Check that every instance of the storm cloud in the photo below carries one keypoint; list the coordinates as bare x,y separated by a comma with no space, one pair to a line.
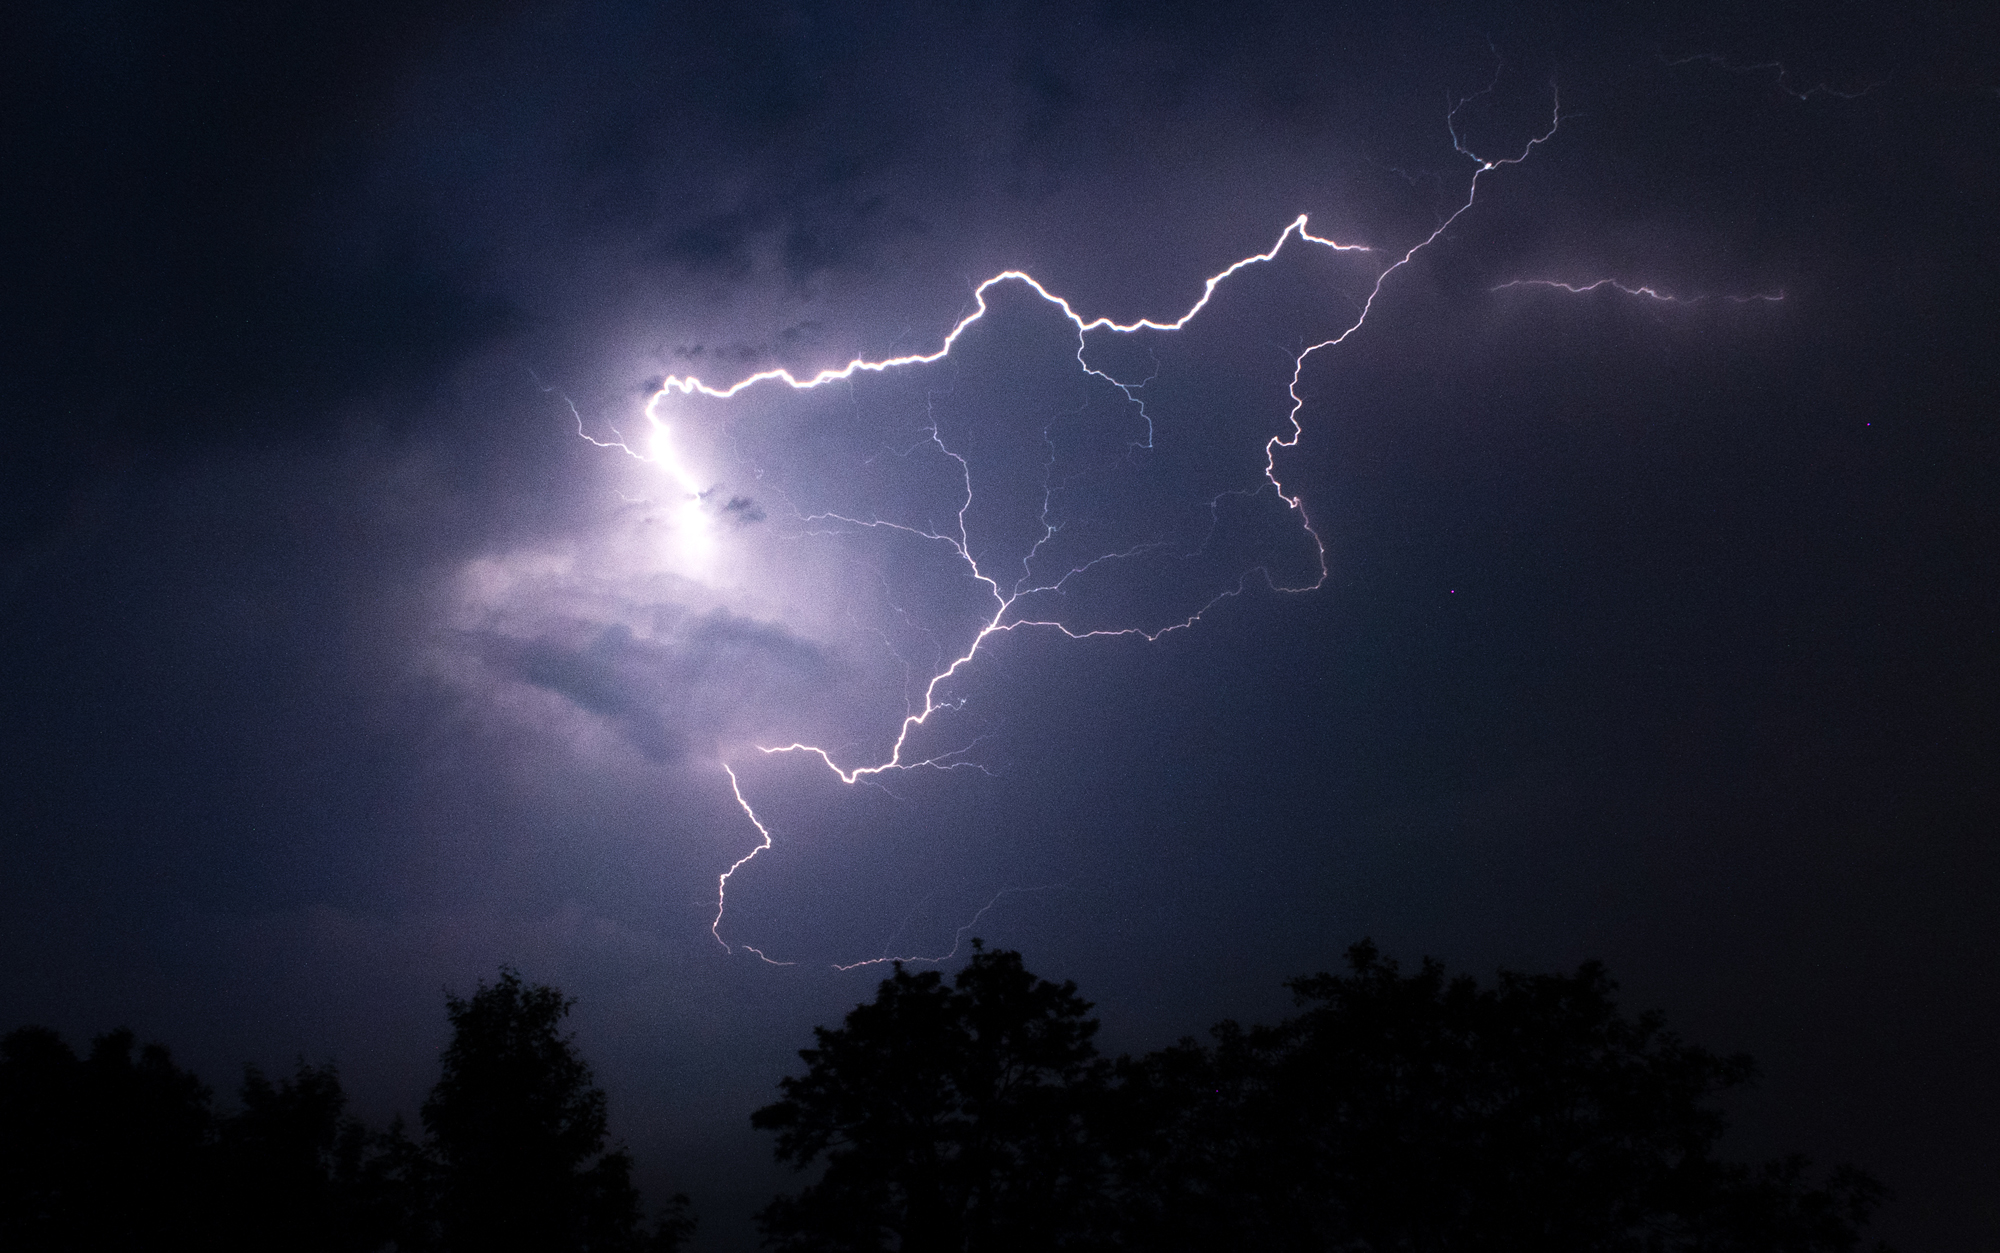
349,651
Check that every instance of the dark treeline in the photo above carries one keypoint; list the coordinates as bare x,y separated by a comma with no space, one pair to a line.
1396,1113
117,1150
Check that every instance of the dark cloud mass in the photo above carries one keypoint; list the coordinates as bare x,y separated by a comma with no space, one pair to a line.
648,688
360,631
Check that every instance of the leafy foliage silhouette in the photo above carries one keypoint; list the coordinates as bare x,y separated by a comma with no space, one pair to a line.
1395,1113
103,1151
948,1116
295,1171
1420,1112
121,1151
518,1139
1408,1113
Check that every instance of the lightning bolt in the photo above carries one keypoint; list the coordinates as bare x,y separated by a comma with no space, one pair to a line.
957,939
722,881
1783,79
1647,291
1002,594
691,525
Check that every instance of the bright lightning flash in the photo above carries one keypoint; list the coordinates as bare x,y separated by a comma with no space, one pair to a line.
1015,602
693,532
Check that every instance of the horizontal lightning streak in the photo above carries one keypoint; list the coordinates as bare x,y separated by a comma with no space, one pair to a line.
1649,292
958,937
1783,81
692,385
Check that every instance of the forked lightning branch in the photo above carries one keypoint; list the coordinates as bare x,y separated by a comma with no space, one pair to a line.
1001,591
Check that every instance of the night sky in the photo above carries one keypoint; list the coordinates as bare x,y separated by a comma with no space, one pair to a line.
347,656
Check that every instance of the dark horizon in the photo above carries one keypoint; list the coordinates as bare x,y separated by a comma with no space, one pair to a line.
341,670
1394,1108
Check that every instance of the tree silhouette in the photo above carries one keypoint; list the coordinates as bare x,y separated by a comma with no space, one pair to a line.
118,1151
121,1151
296,1172
104,1151
1395,1114
1420,1113
518,1140
949,1117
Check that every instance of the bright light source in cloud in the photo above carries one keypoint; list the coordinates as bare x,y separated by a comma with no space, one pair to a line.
816,566
693,533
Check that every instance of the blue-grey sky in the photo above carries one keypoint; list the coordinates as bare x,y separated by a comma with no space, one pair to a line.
341,667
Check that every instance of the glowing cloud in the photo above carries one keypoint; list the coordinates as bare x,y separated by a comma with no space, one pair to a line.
1041,469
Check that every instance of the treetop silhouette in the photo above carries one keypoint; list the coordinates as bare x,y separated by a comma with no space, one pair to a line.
518,1135
1396,1113
948,1116
113,1151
